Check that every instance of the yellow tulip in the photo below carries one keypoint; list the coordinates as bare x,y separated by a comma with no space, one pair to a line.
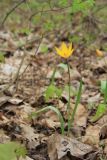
65,51
99,53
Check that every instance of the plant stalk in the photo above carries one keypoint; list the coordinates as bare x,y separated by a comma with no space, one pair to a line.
53,76
69,96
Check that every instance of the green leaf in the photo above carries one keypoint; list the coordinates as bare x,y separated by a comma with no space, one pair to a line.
58,92
73,90
43,48
75,39
102,108
104,89
2,58
52,91
103,86
10,151
57,75
35,114
49,25
62,3
27,31
81,6
63,66
77,102
21,151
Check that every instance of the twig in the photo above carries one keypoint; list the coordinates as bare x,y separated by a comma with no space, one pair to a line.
18,71
41,39
12,9
48,10
35,54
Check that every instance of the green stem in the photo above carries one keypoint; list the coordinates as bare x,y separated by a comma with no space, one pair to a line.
69,92
77,102
53,76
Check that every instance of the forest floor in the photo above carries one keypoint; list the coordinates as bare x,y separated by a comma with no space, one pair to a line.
25,75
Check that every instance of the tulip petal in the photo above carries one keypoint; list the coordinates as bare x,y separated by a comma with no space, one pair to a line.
65,51
58,50
72,51
64,48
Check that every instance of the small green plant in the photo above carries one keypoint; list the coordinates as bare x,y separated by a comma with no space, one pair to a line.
52,91
66,52
25,30
43,48
82,6
104,90
12,151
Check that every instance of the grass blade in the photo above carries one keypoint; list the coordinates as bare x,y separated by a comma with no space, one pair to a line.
36,114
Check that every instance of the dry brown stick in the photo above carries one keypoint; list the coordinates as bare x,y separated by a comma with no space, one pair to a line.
35,53
48,10
15,79
12,9
22,60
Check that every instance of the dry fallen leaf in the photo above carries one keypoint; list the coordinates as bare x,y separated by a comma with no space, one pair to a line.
48,122
103,131
24,111
3,100
92,135
30,136
75,75
102,120
3,137
105,144
15,101
57,75
27,158
59,146
3,119
52,115
80,116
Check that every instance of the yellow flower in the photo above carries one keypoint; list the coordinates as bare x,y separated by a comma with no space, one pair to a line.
99,53
65,51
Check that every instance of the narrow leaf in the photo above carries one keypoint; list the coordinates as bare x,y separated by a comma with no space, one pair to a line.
35,114
102,108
